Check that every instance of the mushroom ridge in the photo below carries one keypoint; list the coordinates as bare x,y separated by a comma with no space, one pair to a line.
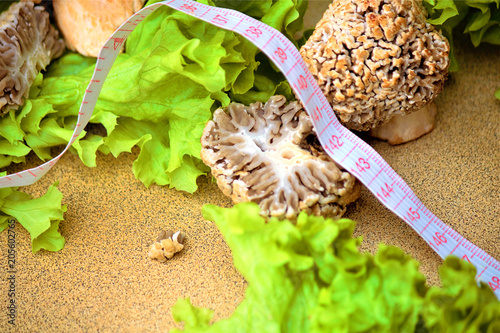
269,154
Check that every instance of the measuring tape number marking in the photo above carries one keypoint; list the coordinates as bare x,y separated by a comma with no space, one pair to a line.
342,145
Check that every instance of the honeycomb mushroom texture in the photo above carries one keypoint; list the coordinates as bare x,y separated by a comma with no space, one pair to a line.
374,59
268,154
28,42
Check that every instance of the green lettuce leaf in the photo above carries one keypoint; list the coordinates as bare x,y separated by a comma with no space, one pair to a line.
175,71
4,5
460,306
193,317
481,19
311,277
39,216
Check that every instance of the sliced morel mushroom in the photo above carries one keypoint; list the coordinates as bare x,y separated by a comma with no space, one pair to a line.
269,154
28,42
375,59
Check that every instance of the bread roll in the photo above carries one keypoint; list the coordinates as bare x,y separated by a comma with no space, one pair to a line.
87,24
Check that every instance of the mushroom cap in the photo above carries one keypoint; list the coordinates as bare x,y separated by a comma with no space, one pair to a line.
264,154
376,58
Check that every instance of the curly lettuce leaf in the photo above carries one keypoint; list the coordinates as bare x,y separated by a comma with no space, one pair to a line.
481,18
175,71
39,216
311,277
194,317
460,306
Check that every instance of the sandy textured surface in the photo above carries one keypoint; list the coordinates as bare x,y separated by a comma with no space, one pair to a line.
103,281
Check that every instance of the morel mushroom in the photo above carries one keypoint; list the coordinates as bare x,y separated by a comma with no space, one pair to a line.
376,59
268,154
28,42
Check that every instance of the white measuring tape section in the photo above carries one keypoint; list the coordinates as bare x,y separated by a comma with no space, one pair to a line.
341,144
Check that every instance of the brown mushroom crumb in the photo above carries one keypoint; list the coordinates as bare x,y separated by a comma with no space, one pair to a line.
167,244
269,154
28,42
374,59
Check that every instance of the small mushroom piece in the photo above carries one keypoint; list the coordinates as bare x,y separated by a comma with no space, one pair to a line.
167,244
268,154
376,59
156,252
28,42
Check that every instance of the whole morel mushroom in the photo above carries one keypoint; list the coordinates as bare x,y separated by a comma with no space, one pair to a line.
268,154
374,59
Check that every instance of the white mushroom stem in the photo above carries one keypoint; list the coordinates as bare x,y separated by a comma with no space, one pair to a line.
175,236
404,128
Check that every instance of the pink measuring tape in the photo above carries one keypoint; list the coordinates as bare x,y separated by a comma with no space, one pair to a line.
342,145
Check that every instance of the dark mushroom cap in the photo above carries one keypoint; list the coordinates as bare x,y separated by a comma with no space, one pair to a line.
376,58
262,153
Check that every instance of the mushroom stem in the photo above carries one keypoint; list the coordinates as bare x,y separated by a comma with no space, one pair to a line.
408,127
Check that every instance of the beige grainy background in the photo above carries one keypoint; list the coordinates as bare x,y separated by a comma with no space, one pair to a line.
103,281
